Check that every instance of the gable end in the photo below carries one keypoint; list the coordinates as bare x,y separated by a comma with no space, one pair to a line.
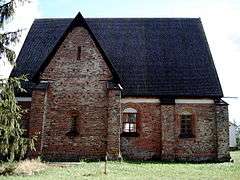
77,21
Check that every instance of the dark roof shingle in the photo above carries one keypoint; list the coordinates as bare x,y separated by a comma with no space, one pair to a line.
153,56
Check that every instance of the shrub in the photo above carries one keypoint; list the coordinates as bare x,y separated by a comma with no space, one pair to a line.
7,169
26,168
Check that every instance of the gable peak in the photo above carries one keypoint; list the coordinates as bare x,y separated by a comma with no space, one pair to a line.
78,20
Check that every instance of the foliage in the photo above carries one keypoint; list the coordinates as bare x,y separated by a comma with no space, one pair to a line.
13,144
238,137
22,168
7,9
7,169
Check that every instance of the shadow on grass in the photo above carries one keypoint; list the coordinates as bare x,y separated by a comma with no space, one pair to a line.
130,161
169,162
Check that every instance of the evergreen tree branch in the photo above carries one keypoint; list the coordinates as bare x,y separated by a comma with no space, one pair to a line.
13,143
5,40
6,4
7,10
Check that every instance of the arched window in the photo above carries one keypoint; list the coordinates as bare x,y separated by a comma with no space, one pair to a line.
129,120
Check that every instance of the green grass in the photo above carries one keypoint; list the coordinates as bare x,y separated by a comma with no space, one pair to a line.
141,170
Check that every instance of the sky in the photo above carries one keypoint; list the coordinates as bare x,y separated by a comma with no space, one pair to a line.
220,19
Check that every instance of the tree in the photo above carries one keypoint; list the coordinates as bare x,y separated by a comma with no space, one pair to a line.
13,144
7,10
238,137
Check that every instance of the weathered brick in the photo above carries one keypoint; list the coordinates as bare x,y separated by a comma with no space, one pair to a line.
222,125
148,144
78,87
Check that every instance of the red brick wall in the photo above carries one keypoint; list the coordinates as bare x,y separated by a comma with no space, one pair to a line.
77,86
113,124
200,148
36,119
168,132
148,144
203,146
159,129
26,106
222,122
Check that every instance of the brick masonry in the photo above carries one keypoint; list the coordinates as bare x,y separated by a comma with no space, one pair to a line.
78,88
159,129
222,125
114,124
148,144
36,120
203,146
26,106
168,132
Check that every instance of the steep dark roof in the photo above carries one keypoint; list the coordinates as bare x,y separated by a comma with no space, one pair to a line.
153,56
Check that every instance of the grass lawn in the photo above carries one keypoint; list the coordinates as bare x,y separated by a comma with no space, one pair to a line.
140,170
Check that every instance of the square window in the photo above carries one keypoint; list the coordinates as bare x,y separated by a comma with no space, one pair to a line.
126,127
129,122
186,130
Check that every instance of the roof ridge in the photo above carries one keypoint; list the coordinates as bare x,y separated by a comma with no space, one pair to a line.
134,18
53,18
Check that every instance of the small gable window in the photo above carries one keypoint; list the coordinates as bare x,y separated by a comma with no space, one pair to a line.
73,126
186,129
129,124
79,52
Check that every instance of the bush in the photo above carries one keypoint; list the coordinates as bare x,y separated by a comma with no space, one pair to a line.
7,169
26,168
29,167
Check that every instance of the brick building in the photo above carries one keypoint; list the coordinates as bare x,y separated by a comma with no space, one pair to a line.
140,88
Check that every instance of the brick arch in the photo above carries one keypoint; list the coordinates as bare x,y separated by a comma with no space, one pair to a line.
73,112
131,105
